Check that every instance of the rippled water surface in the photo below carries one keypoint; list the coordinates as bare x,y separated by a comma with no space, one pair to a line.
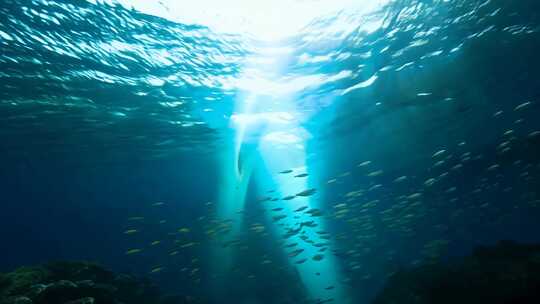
416,121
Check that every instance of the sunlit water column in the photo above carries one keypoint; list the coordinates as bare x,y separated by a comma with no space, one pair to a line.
266,123
236,161
322,278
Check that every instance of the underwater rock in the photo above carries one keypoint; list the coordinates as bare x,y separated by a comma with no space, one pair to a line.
17,300
77,283
505,273
4,281
36,289
58,292
21,281
88,300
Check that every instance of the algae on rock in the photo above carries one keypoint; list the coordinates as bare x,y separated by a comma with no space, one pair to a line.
75,283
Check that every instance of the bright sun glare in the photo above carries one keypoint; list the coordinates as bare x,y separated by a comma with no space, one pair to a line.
267,20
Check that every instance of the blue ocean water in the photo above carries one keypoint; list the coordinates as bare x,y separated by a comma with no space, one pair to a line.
162,148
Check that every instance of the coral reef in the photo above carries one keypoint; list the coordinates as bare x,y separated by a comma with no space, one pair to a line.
77,283
506,273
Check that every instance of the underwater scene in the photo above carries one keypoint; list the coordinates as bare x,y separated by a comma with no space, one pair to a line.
272,152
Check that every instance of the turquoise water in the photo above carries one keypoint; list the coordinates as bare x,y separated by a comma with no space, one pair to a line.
185,148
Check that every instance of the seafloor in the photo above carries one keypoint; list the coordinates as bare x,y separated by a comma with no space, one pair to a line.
506,273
